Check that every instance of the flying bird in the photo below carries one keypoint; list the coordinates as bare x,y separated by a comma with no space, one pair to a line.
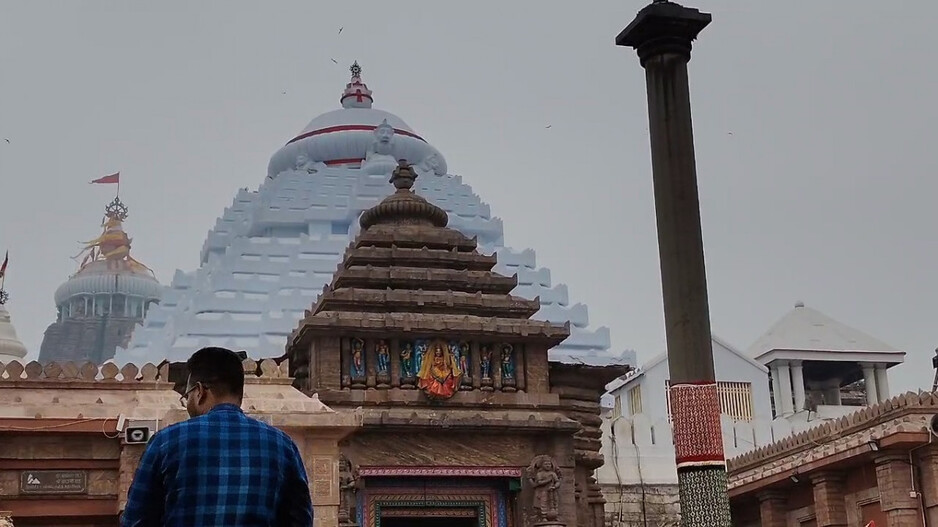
283,93
340,29
334,61
548,126
7,140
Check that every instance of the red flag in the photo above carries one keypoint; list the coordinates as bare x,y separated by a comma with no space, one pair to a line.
113,178
3,267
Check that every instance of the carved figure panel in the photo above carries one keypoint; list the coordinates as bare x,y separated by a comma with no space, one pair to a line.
383,360
544,478
508,367
357,362
487,358
408,371
439,375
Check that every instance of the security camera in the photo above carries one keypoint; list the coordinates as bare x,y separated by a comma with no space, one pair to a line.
139,431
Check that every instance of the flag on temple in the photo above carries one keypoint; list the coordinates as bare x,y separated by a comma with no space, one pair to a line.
3,267
113,178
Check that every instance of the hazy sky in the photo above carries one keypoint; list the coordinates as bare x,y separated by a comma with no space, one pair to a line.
814,127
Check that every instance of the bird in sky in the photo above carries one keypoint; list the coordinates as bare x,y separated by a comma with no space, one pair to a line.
548,126
334,61
283,93
7,140
340,29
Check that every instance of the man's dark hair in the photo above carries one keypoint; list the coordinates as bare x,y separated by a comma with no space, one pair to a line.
219,368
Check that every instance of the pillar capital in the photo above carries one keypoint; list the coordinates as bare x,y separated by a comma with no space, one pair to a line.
663,27
827,476
772,495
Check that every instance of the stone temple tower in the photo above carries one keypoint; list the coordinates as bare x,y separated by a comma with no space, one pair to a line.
99,306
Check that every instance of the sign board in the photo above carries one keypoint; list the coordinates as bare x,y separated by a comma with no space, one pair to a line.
54,482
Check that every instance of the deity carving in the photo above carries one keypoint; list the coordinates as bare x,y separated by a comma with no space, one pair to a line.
439,372
486,366
420,349
544,477
508,367
348,484
379,157
407,361
383,360
357,362
464,356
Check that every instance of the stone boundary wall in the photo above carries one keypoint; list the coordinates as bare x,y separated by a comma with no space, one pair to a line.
33,371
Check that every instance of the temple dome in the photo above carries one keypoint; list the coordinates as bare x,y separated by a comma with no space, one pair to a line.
11,348
344,136
96,278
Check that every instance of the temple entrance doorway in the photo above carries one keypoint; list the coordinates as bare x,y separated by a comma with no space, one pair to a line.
449,497
431,521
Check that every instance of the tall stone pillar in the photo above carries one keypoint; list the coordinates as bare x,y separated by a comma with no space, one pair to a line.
894,479
776,390
662,33
784,376
797,381
829,507
773,508
869,381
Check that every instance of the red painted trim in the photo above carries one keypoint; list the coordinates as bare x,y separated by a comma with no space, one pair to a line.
344,161
701,458
350,128
479,472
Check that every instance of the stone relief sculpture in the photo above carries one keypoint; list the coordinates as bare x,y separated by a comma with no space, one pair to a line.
407,362
348,484
508,367
486,363
379,157
383,359
464,356
357,362
545,477
420,349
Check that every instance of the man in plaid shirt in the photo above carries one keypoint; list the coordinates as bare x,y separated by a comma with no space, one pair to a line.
219,468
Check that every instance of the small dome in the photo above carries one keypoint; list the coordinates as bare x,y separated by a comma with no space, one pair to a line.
11,348
344,136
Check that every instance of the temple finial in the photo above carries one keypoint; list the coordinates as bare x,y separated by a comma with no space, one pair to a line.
403,176
356,70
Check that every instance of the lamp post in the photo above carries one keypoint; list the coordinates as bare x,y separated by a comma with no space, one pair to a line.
662,34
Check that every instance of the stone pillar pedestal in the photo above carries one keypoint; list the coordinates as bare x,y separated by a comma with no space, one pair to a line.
829,506
894,479
773,508
130,458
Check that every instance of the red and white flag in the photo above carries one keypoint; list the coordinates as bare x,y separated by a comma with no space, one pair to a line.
3,267
113,178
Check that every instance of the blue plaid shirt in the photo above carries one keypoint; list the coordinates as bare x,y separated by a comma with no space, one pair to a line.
220,469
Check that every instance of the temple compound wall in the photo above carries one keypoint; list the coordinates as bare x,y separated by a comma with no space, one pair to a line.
64,461
877,465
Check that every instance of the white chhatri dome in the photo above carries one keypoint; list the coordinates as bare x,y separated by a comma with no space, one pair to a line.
11,348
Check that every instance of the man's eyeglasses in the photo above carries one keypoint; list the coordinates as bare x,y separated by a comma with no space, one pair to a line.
185,396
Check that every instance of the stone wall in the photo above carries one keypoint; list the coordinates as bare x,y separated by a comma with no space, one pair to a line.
642,505
92,339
